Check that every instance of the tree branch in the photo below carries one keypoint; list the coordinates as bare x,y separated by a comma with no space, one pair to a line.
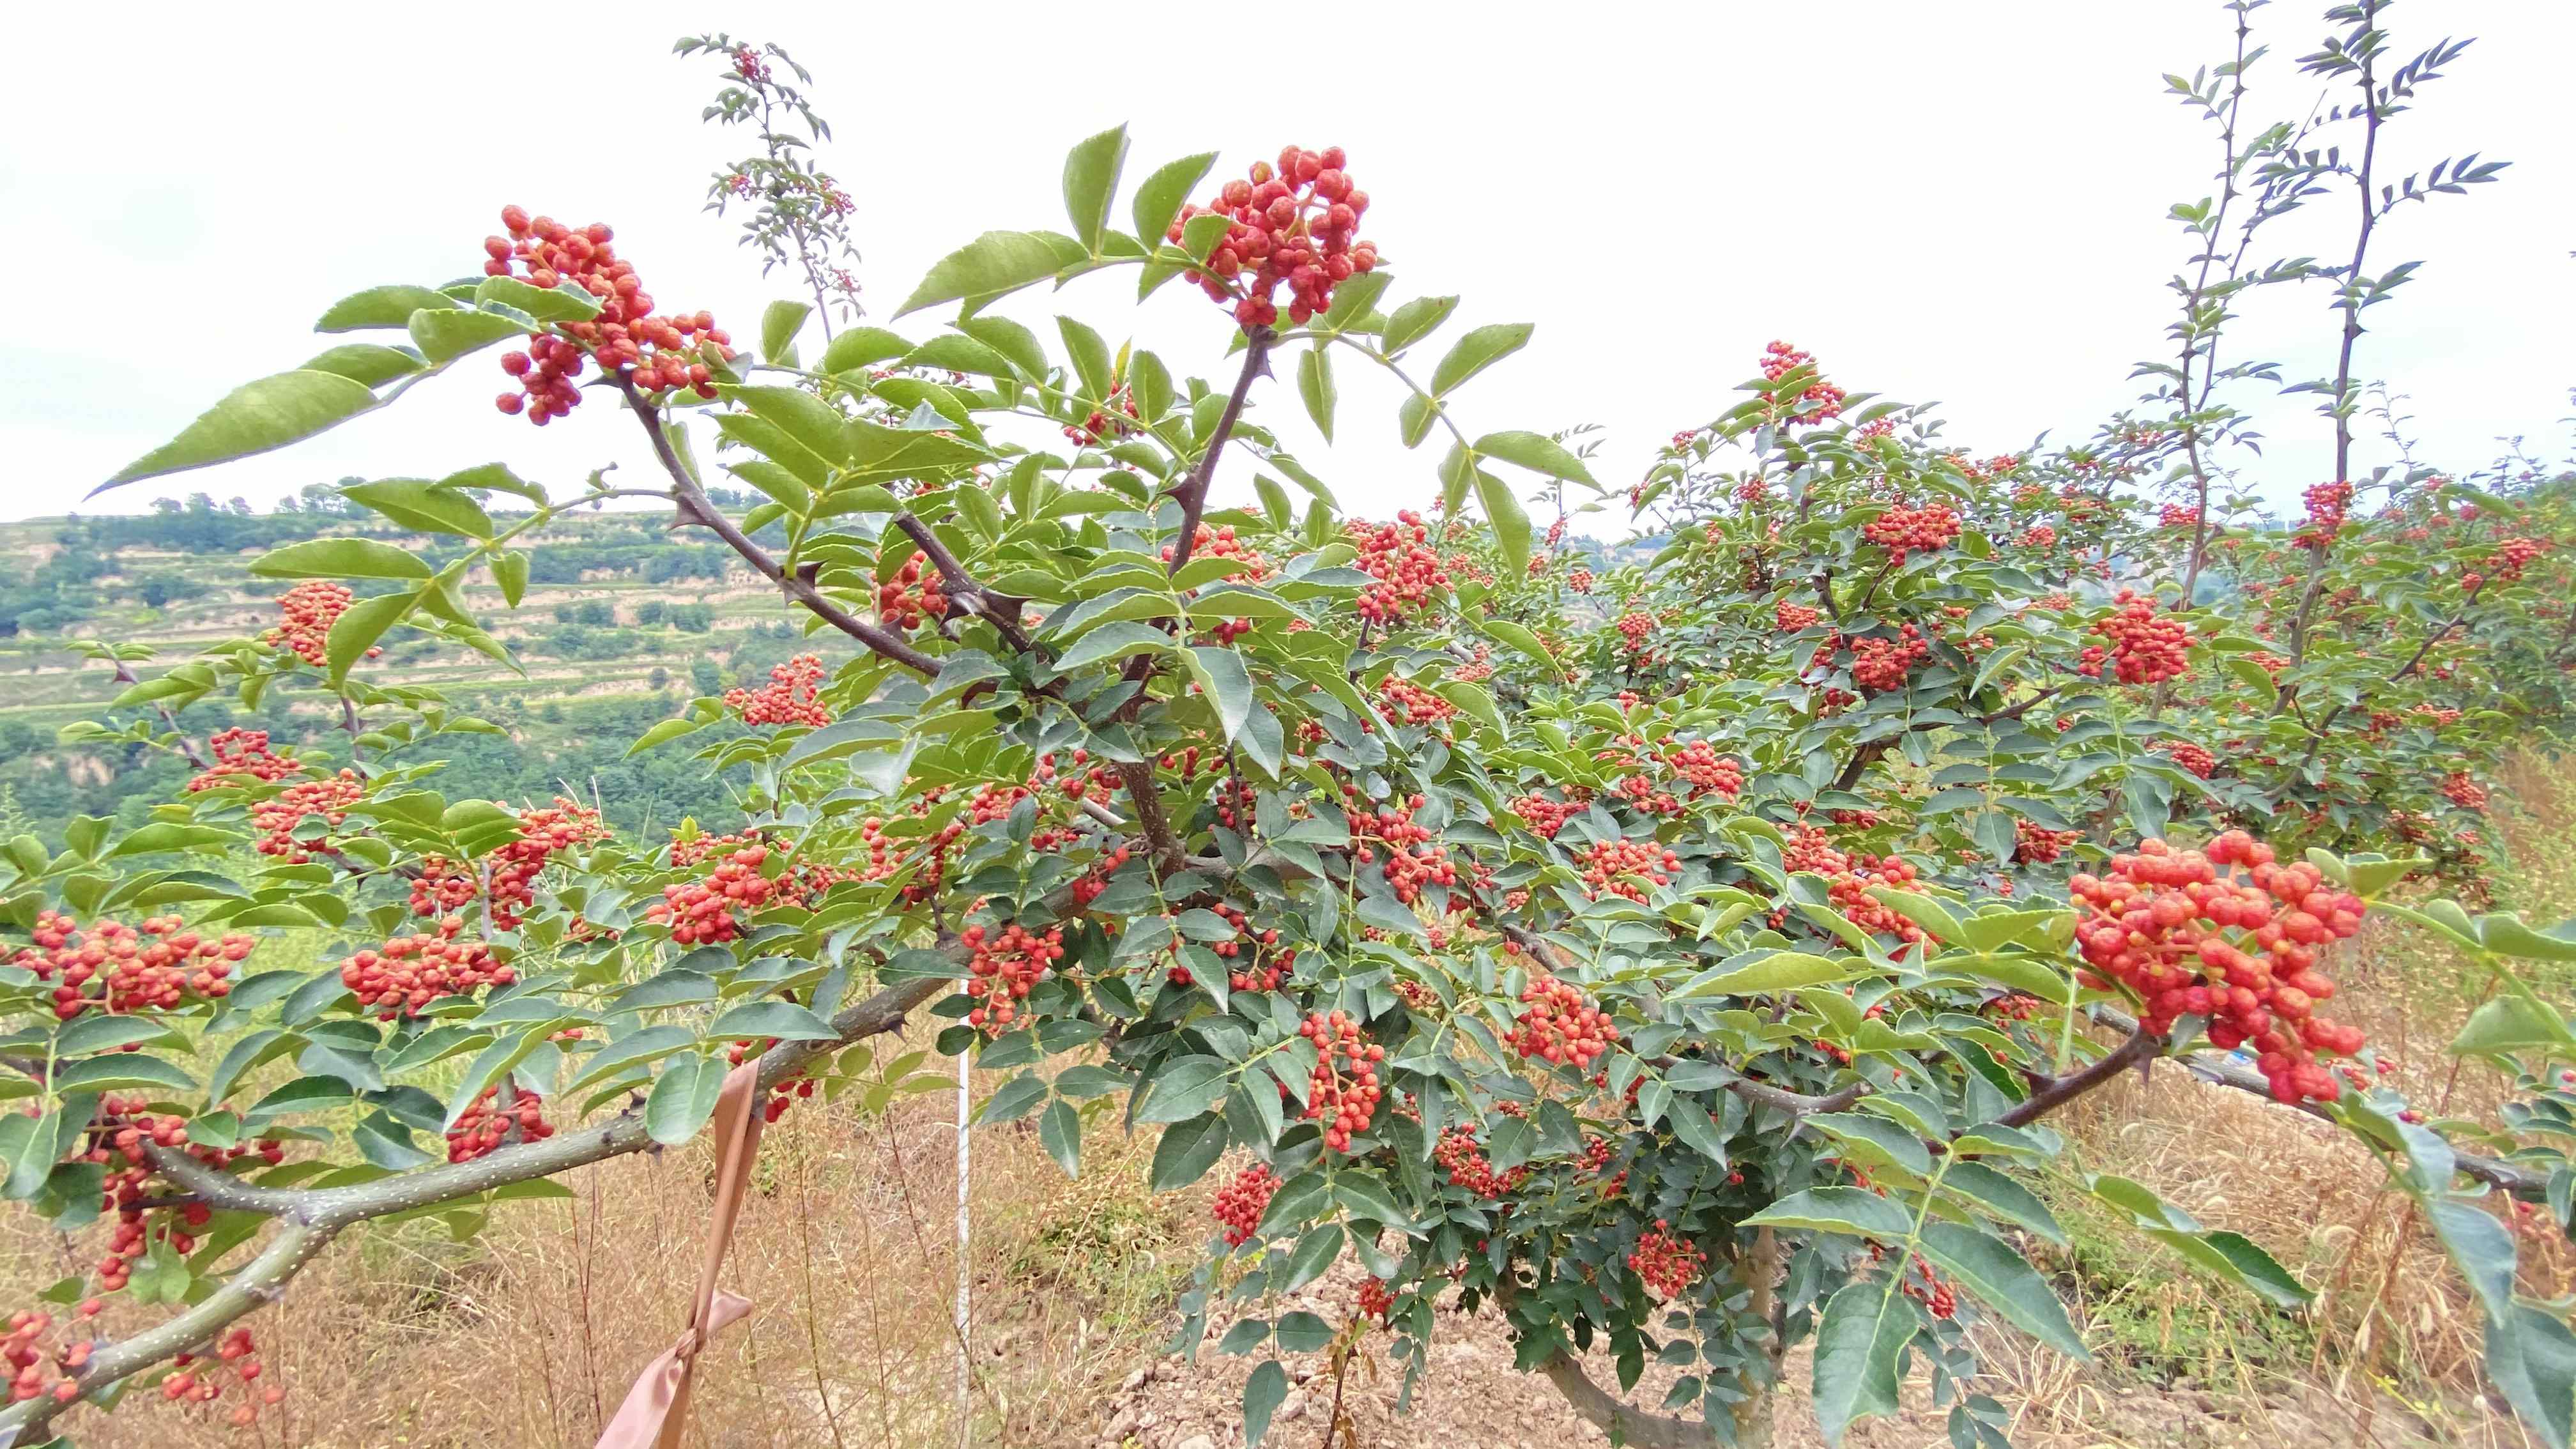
1192,491
695,508
1608,1412
2138,1049
964,594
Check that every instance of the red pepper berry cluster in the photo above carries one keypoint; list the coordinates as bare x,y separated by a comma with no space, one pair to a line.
1626,868
1409,862
1294,224
2146,647
118,1142
410,973
1409,703
1400,557
2464,792
2229,935
912,596
1792,617
2512,556
1881,665
242,752
700,913
1545,816
655,353
1241,1202
1708,772
788,697
1560,1027
1343,1092
41,1368
1848,879
1377,1298
1904,532
2014,1006
2329,506
277,817
1637,626
2034,845
2038,536
1458,1154
1114,420
544,832
1668,1263
311,608
1004,966
1930,1289
157,968
2178,515
484,1126
1256,961
1820,402
1580,581
2191,757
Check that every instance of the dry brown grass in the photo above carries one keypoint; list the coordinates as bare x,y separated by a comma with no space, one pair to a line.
530,1334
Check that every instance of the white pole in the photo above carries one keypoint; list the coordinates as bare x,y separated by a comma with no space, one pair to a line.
965,1108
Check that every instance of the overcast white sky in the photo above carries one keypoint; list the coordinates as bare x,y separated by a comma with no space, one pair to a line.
1959,202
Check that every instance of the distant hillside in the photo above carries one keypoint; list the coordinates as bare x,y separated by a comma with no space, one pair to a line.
624,621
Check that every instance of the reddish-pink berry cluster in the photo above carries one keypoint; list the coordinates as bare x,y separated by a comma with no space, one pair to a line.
1819,402
410,973
2329,506
117,968
1405,702
1792,617
2511,557
2178,515
912,596
1904,532
311,608
2146,647
1343,1091
241,752
1668,1262
485,1126
2035,845
1400,558
1005,964
1239,1204
700,913
277,817
445,885
788,697
1626,868
655,354
1402,850
1708,772
2230,935
1296,224
1881,665
1459,1154
2191,757
2464,792
1559,1026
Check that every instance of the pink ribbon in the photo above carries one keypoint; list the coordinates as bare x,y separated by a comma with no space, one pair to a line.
656,1411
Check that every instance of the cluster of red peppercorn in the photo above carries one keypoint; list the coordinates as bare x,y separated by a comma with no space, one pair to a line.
2464,792
1667,1262
2036,845
2191,757
1409,703
197,1384
1402,850
700,912
277,817
2038,536
1904,532
1821,401
2146,647
118,1140
788,697
1580,580
1239,1204
1560,1027
1005,964
1626,868
485,1126
912,596
2229,935
1881,665
42,1368
2508,560
311,608
1377,1298
2014,1006
409,973
445,885
1930,1289
1545,816
1294,224
1792,617
2329,506
1400,558
156,968
1463,1158
2178,515
1114,419
241,752
1343,1091
1637,627
1848,879
1708,772
656,354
